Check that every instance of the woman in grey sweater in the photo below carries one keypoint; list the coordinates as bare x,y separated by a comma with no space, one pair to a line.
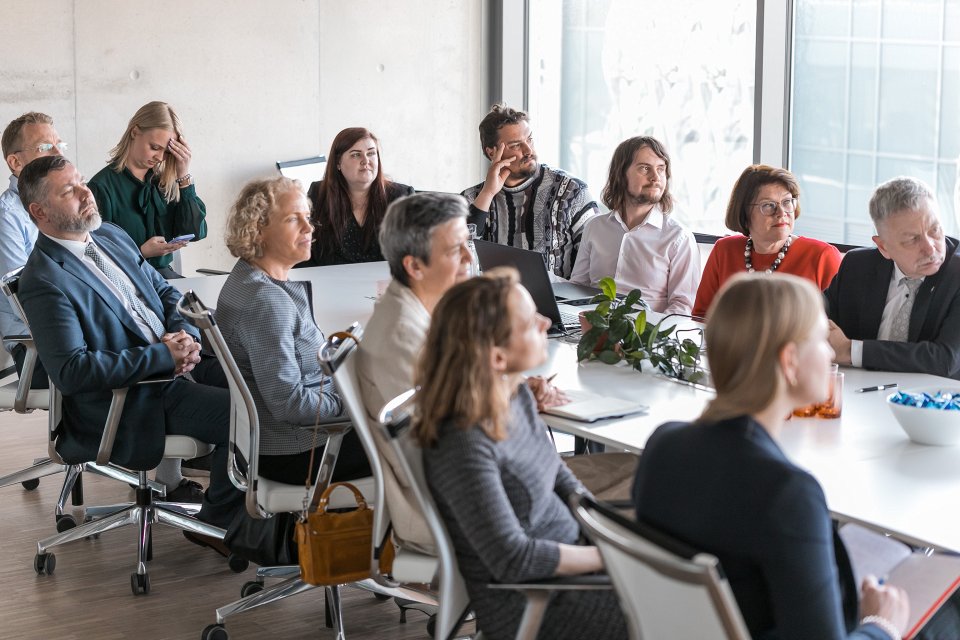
267,322
500,486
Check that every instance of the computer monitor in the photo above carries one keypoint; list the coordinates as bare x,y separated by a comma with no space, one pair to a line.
307,170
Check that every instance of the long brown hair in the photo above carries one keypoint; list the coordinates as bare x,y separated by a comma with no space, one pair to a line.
332,208
457,382
743,348
614,194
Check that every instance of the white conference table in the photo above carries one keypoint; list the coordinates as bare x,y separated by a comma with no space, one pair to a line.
870,471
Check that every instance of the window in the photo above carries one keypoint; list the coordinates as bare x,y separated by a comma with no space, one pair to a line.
602,71
876,94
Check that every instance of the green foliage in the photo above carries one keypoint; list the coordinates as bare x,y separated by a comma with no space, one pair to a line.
620,332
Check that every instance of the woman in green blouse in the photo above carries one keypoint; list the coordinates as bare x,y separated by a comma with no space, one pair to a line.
147,188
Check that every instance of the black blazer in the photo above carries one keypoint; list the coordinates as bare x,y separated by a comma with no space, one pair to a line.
856,298
728,489
89,344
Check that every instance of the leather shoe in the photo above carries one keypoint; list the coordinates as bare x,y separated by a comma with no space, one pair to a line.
208,541
186,491
197,467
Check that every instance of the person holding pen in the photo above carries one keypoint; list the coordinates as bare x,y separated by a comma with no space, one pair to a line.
148,190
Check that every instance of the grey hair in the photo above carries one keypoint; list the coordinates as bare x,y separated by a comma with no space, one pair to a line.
407,228
898,194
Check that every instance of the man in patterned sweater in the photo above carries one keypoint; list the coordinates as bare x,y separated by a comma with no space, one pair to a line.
523,203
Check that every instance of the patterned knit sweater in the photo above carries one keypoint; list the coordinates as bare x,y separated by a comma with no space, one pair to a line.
546,213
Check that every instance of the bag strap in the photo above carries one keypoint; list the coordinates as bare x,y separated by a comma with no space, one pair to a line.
325,496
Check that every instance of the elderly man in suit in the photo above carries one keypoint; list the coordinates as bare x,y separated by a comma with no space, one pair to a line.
897,306
103,318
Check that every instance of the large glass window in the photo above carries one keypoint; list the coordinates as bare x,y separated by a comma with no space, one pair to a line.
602,71
876,94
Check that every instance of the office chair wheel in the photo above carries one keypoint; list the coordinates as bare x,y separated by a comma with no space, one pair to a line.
30,485
215,632
140,584
65,521
44,563
431,625
250,588
237,564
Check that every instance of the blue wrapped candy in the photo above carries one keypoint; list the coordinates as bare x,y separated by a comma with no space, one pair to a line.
939,400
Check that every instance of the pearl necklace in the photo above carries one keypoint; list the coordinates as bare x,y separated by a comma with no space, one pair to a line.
776,263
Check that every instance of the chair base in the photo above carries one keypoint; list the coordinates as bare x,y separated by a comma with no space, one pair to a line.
143,514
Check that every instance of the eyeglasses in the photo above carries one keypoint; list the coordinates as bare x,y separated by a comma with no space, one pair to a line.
769,208
43,147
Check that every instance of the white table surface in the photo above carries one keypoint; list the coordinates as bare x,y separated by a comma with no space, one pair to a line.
869,470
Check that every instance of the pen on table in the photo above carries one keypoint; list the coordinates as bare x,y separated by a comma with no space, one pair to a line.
880,387
550,379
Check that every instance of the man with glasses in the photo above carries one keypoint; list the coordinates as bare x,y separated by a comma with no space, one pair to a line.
638,243
897,306
28,137
523,203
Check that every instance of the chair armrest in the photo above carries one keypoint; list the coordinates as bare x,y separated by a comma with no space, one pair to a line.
113,417
26,374
21,338
588,582
212,272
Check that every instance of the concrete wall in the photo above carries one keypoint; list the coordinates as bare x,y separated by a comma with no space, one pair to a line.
254,82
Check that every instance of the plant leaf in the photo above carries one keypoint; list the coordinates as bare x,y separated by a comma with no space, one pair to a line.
608,356
597,320
604,308
633,297
641,322
588,342
609,288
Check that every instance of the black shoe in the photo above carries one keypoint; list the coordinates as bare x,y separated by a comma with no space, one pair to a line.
208,541
197,467
186,491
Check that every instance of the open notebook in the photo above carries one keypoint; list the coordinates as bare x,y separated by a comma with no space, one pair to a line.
590,407
928,580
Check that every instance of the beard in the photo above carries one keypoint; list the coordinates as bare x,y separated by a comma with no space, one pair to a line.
645,197
75,224
526,170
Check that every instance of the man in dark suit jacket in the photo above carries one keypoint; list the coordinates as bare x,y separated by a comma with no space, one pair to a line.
92,339
873,288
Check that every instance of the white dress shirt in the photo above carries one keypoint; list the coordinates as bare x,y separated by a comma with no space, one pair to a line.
77,248
659,256
897,293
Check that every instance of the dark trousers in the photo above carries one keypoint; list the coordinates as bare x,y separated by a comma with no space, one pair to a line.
39,380
352,463
203,412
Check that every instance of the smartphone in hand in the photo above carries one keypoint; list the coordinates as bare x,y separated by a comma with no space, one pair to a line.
184,238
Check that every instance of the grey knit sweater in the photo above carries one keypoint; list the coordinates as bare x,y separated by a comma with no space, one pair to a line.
505,505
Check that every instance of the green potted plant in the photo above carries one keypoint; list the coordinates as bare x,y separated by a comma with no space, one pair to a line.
618,330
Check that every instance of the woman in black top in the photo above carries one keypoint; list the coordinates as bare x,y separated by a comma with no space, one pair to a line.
351,200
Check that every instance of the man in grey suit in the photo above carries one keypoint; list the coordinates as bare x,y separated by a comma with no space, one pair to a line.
897,306
103,318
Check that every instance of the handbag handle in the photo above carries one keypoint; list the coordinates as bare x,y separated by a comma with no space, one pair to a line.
325,496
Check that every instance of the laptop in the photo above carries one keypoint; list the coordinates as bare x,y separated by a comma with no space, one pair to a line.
533,276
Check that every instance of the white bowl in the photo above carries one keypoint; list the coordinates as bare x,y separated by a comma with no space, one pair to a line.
932,426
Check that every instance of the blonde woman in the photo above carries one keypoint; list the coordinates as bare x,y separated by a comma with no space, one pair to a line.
500,486
722,484
148,190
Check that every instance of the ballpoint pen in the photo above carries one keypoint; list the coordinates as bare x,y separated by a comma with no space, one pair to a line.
880,387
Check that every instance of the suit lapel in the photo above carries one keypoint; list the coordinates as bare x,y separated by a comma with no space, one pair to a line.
129,263
875,301
72,265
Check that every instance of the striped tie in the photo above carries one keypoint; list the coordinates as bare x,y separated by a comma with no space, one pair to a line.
126,290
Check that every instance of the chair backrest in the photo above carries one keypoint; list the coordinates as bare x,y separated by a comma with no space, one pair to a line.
10,284
244,421
394,422
338,359
666,588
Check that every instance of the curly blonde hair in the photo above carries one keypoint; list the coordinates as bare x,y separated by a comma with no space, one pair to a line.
251,212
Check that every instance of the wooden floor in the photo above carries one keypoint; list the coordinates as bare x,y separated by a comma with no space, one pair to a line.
89,595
